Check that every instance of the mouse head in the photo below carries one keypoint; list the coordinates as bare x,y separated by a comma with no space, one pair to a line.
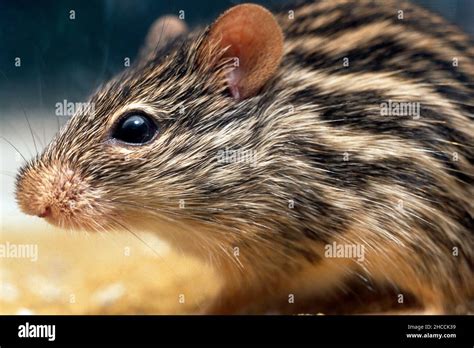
150,146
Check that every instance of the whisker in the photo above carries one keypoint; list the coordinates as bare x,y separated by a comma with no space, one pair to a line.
115,220
10,174
26,117
14,147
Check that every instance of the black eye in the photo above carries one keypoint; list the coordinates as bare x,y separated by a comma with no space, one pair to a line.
135,129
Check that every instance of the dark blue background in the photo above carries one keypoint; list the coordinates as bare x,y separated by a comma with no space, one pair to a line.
65,59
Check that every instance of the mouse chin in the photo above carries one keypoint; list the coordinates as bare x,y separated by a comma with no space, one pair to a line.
79,222
86,219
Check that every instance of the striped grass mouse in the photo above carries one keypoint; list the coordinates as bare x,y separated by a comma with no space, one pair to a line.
316,156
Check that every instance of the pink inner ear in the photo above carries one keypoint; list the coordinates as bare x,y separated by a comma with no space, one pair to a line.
242,45
233,79
250,33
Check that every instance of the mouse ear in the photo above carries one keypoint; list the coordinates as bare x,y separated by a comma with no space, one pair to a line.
163,30
252,36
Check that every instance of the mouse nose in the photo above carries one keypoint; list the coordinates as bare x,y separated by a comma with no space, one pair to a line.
45,212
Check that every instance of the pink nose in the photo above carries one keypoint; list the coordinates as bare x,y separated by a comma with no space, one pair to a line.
45,213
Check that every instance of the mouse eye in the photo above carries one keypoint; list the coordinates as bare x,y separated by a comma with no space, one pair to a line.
135,129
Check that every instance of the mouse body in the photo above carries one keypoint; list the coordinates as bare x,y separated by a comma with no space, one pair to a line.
319,157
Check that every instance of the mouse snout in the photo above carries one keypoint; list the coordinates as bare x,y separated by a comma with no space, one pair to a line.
45,213
53,193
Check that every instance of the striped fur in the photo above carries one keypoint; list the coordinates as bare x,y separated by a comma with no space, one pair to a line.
400,186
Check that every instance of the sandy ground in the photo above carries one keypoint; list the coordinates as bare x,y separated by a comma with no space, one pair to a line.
78,273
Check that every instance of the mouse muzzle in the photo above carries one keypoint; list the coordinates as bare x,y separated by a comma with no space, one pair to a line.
58,194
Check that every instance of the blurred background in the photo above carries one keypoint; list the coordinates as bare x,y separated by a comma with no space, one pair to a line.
65,58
